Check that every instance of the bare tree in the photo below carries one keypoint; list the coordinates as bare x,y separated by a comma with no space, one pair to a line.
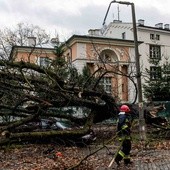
19,36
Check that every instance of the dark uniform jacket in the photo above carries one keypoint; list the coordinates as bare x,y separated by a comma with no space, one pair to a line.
124,124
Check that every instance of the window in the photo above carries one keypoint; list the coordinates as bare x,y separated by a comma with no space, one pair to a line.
44,61
123,88
107,84
152,36
155,73
123,35
155,52
106,58
157,37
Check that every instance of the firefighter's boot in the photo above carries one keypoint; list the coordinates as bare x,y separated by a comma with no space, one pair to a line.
118,159
127,161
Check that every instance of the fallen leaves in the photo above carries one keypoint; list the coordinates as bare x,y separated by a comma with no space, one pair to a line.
35,157
51,157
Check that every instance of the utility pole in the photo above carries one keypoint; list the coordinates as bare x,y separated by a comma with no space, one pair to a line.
142,129
118,13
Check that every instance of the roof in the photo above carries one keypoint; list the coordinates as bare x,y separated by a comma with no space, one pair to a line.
100,38
142,26
154,28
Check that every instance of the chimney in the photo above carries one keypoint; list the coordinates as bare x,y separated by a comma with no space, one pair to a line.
141,22
55,41
94,32
117,21
31,41
166,26
159,25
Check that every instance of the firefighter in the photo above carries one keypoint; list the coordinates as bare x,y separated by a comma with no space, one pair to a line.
123,131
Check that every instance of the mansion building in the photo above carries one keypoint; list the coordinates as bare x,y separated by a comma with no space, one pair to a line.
112,46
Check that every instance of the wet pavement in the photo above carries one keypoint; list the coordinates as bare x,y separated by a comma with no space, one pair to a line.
153,160
147,160
142,158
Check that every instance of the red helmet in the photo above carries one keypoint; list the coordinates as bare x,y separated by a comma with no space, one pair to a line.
124,108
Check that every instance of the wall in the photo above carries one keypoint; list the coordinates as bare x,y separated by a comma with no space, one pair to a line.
87,52
115,30
31,55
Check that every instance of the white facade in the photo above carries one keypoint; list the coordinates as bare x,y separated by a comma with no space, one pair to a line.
157,35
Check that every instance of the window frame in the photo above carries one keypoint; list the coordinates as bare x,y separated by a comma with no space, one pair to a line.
157,37
124,35
106,82
152,36
154,51
44,61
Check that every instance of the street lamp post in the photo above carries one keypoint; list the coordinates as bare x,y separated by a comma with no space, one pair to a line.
142,129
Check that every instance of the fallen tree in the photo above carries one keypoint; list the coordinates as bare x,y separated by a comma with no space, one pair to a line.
29,93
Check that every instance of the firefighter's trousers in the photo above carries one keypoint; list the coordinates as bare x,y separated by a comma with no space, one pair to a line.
124,152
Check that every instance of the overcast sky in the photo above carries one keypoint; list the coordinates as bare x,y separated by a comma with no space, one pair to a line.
68,17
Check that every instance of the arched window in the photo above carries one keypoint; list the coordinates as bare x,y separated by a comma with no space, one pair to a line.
108,56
